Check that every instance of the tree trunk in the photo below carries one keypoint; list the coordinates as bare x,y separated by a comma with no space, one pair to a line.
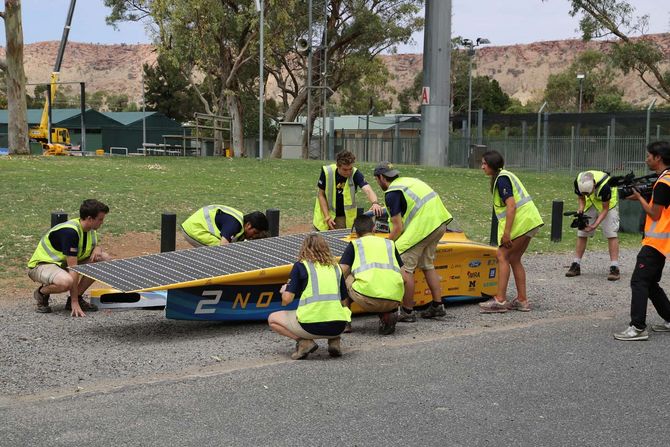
234,107
16,79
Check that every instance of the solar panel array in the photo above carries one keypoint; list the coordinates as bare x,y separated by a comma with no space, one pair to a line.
165,269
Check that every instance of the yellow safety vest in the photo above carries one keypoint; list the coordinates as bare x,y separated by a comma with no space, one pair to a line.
201,226
527,216
657,233
376,270
600,179
45,253
425,211
320,302
349,197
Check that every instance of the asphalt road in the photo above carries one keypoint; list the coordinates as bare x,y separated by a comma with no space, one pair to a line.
551,381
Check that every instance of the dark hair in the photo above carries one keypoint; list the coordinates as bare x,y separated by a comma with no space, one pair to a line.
91,208
257,220
363,224
662,149
345,158
495,161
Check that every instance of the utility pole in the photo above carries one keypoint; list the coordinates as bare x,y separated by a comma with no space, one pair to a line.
436,91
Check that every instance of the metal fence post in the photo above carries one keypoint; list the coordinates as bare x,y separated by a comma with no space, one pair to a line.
546,141
58,217
556,220
273,221
572,149
651,106
168,232
493,237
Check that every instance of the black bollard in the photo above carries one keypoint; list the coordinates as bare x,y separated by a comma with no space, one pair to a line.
58,217
273,221
493,238
556,220
168,232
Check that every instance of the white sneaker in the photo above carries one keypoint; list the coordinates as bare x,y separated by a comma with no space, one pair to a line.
663,327
631,334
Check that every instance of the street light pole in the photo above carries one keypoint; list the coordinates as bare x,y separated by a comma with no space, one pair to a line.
261,87
580,76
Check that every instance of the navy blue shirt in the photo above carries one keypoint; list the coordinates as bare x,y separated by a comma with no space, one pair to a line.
296,284
350,254
340,182
227,225
395,203
66,241
504,186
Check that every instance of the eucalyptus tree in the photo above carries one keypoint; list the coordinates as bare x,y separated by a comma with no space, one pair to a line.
15,78
618,19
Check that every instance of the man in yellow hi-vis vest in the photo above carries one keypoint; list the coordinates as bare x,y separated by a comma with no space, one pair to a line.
214,225
371,266
598,201
644,282
418,220
66,245
335,204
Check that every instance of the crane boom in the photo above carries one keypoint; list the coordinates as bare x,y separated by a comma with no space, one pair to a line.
43,133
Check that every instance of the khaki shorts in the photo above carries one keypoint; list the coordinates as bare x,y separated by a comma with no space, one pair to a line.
422,255
45,273
609,226
367,303
292,324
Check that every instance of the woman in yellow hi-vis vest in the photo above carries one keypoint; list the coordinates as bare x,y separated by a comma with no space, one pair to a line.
316,280
518,222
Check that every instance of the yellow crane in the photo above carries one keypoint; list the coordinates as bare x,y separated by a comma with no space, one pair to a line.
56,142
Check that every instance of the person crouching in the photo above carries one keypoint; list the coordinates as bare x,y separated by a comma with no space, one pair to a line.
316,280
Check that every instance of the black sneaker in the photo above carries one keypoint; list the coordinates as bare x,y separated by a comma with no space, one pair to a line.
614,273
85,306
406,317
575,270
41,302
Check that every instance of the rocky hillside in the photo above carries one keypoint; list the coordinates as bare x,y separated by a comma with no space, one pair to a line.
521,70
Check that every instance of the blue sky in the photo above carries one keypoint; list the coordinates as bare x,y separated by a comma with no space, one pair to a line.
502,22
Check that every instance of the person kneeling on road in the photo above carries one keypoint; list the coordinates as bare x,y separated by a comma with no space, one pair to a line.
598,201
64,246
317,282
371,267
215,225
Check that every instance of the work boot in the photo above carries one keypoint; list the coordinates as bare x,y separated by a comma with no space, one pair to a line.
303,348
85,306
434,311
574,270
387,321
614,273
406,317
334,348
41,302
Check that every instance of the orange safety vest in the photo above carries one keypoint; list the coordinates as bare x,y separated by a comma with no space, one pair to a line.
657,233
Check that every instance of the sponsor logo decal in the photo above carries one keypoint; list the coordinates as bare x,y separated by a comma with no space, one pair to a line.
475,263
472,284
492,273
473,275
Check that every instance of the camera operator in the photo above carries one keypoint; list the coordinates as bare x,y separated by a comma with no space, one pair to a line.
598,201
655,248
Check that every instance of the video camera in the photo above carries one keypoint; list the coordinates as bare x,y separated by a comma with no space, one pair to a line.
580,220
626,183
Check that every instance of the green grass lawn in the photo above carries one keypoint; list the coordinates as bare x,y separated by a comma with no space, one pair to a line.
139,189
